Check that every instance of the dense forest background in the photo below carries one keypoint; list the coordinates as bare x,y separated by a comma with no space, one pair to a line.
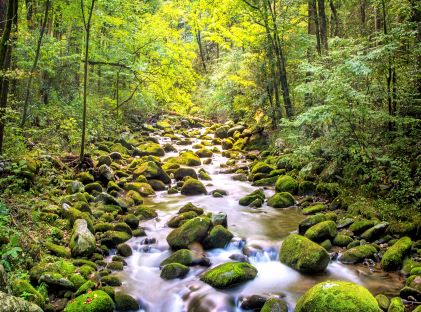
335,83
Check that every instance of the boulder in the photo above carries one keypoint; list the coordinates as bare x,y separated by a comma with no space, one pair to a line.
358,254
375,232
316,208
194,230
337,296
393,257
281,200
174,270
15,304
105,174
229,274
95,301
218,237
150,148
252,197
313,220
274,305
322,231
179,219
204,153
151,170
396,305
342,240
286,183
125,302
113,238
82,241
183,172
303,255
190,207
261,167
193,187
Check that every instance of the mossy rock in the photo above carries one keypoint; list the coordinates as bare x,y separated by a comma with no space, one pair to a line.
86,287
144,189
63,267
203,175
316,208
96,301
115,266
396,305
113,238
123,227
194,230
402,229
135,196
303,255
77,279
265,182
393,257
58,250
14,304
375,232
227,144
183,172
190,207
124,250
23,287
204,153
144,212
222,132
261,167
103,227
125,302
286,183
313,220
361,226
337,296
274,305
342,240
229,274
85,177
330,190
177,220
152,170
383,302
75,187
193,187
306,188
131,220
82,241
111,280
281,200
174,270
182,256
321,231
151,148
326,244
189,158
250,198
358,254
218,237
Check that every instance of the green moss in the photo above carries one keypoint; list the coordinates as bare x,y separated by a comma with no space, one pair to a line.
77,280
402,228
190,207
265,182
194,230
188,158
281,200
361,226
103,227
144,212
321,231
125,302
337,296
375,232
204,153
250,198
113,238
286,183
144,189
328,189
393,257
303,255
174,270
193,187
87,286
261,167
24,288
396,305
124,250
409,264
115,266
326,244
383,302
358,254
123,227
274,305
63,267
182,256
58,250
111,280
203,175
96,301
314,209
183,172
313,220
229,274
342,240
219,237
177,220
135,196
85,177
151,148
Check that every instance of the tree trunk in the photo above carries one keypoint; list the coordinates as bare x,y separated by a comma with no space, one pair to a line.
87,26
34,65
3,10
201,51
323,25
335,18
5,60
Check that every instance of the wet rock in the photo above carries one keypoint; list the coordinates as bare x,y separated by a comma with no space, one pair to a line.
178,220
174,270
151,170
316,208
303,255
281,200
147,149
383,302
124,250
204,153
131,220
194,230
113,238
218,237
393,257
248,199
144,212
220,218
358,254
193,187
99,301
375,232
157,185
190,207
111,280
229,274
361,226
253,302
239,258
274,305
203,175
125,302
183,172
410,292
396,305
342,240
337,296
82,241
105,174
326,244
286,183
313,220
321,231
15,304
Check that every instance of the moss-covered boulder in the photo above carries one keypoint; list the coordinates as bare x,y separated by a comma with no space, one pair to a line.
204,153
358,254
393,257
179,219
124,250
375,232
82,241
361,226
286,183
150,148
183,172
322,231
342,240
303,255
58,250
227,144
113,238
14,304
312,209
222,132
24,288
144,189
252,197
313,220
152,170
190,207
396,305
383,301
125,302
337,296
194,230
193,187
261,167
96,301
182,256
111,280
188,158
274,305
144,212
229,274
174,270
218,237
281,200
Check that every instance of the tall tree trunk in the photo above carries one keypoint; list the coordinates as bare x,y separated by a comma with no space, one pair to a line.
3,10
34,65
87,27
323,25
363,6
201,51
335,18
416,19
6,45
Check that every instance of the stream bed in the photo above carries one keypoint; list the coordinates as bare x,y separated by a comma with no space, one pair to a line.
258,234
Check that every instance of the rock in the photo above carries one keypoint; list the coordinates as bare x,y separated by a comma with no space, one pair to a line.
229,274
157,185
86,287
321,231
253,302
274,305
261,167
58,250
85,177
24,288
111,280
105,174
316,208
361,226
220,218
151,170
56,280
383,302
410,292
222,132
125,302
113,238
150,148
194,230
3,279
306,188
189,158
375,232
203,175
326,244
227,144
344,222
219,237
144,212
96,301
204,153
143,189
250,198
190,207
303,255
313,220
337,296
82,241
396,305
174,270
115,266
183,172
286,183
358,254
75,187
342,240
193,187
15,304
124,250
281,200
178,220
131,220
104,160
393,257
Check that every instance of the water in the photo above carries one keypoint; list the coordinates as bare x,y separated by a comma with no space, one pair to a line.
259,231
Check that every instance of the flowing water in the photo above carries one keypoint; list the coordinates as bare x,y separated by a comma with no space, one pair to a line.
258,233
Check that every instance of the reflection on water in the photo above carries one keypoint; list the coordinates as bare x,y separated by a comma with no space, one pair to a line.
259,232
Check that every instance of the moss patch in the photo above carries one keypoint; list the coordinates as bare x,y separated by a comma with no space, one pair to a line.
229,274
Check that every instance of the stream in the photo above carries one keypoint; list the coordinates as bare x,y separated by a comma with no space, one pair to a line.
258,233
